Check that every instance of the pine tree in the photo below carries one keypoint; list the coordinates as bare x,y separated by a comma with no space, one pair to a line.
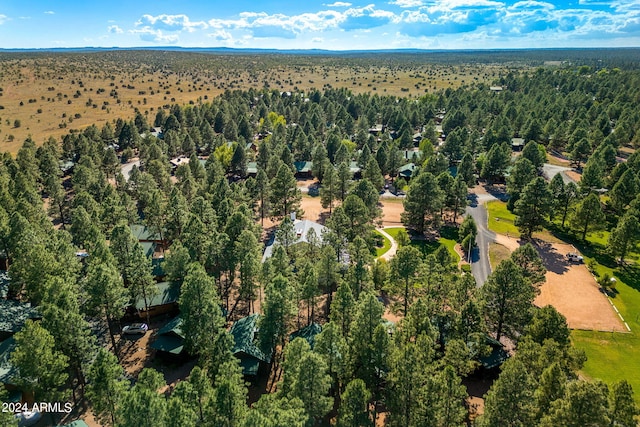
508,298
424,198
532,207
588,215
285,196
40,368
107,387
354,408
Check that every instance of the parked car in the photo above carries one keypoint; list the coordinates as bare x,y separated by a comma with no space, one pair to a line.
574,257
135,329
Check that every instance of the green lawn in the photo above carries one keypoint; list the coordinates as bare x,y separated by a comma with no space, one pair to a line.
500,219
385,247
448,236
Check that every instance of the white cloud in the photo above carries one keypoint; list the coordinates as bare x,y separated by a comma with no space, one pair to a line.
170,23
3,18
339,4
114,29
49,12
407,3
221,35
317,40
156,36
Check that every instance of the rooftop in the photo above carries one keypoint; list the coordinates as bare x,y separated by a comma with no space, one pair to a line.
307,333
13,314
168,293
170,338
302,227
144,233
244,333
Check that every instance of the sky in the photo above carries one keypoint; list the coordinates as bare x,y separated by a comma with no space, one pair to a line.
317,24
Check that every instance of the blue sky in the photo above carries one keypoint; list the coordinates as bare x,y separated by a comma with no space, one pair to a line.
313,24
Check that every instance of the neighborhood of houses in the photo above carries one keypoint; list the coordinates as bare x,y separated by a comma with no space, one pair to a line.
167,341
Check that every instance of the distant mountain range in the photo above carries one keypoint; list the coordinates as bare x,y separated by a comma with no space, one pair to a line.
627,58
225,50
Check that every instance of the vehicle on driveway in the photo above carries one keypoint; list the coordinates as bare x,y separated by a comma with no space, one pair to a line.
135,329
574,257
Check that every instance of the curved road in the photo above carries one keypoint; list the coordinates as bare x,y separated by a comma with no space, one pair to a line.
480,267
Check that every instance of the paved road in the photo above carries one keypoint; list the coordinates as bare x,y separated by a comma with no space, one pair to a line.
480,267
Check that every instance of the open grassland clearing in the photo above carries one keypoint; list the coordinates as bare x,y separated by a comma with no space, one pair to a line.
48,94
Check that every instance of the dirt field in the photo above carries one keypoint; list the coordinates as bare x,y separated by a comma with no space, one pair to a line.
391,210
575,176
571,289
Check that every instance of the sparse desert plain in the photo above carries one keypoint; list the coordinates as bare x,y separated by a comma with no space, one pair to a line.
48,94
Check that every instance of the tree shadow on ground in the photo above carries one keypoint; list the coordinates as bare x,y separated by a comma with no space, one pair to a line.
554,261
497,191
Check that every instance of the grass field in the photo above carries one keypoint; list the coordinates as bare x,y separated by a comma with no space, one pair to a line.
385,247
500,219
447,239
497,253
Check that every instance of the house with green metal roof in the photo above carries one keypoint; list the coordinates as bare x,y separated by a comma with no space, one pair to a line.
406,171
145,234
303,168
170,339
308,333
245,336
165,301
13,315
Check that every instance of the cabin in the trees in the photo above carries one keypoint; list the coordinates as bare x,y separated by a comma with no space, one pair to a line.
13,315
152,245
302,228
517,144
169,342
308,333
406,171
252,169
303,169
245,336
164,302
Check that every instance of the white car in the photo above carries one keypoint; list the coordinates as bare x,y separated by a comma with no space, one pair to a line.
574,257
135,329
